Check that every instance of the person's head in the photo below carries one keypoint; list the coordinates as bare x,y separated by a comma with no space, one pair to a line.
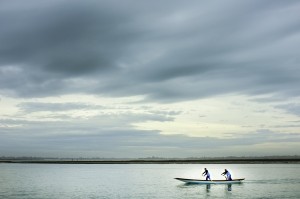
205,169
226,170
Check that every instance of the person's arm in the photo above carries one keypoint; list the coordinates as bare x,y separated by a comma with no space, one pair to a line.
223,174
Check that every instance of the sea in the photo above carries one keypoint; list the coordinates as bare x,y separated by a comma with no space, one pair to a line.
145,181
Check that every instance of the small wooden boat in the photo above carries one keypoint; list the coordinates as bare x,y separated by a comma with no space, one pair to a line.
196,181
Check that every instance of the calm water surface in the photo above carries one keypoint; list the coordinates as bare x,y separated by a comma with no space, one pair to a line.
147,181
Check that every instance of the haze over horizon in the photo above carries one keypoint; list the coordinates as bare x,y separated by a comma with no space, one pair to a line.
134,79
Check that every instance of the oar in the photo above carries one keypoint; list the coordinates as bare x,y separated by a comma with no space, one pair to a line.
224,176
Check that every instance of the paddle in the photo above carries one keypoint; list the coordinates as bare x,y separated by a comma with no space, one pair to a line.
224,176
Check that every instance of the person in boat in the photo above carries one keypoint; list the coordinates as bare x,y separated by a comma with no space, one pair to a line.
227,174
206,173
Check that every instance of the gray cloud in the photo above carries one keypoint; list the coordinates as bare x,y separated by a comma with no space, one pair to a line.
68,138
292,108
167,51
54,107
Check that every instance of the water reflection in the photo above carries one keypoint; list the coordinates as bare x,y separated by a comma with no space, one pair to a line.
229,187
207,187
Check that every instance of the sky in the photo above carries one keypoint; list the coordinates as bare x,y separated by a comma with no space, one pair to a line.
137,78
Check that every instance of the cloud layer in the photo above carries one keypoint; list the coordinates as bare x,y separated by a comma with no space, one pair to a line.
166,51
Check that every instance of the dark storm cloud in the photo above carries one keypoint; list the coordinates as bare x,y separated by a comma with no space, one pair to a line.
58,36
168,50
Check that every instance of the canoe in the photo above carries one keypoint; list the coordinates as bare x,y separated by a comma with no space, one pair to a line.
196,181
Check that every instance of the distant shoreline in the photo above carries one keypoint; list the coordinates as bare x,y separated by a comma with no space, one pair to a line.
160,161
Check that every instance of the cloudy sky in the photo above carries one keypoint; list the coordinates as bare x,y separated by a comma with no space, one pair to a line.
137,78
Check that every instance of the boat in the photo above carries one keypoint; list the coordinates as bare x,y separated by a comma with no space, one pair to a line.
196,181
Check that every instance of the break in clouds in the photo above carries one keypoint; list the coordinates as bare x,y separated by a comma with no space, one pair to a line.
166,51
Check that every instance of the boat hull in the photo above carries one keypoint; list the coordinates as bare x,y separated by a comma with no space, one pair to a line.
196,181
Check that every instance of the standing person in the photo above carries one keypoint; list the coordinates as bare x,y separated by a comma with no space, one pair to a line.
206,173
228,175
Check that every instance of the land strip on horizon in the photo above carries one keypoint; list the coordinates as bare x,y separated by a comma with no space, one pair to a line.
231,160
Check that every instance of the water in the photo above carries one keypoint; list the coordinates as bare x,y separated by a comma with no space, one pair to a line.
145,181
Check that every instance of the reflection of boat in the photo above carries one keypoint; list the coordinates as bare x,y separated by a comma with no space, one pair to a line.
196,181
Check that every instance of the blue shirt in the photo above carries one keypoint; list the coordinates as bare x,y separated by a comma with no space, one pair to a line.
228,174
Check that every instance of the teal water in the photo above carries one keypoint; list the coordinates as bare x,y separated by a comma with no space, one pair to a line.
145,181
